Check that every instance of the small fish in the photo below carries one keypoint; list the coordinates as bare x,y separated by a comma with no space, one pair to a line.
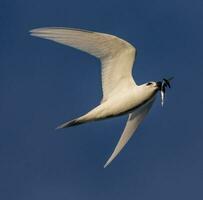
165,83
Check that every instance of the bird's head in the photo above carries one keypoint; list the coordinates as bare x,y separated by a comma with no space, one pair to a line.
153,87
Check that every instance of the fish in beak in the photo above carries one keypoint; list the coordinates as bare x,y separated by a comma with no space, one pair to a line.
162,85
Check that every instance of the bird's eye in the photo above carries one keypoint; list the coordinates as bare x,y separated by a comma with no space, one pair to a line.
149,83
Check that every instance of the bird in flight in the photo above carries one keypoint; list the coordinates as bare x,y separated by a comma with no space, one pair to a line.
121,94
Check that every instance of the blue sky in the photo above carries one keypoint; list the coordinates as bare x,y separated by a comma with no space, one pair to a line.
43,84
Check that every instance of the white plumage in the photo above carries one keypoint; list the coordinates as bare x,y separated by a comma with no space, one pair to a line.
121,95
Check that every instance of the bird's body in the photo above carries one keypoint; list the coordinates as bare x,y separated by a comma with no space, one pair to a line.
121,95
120,104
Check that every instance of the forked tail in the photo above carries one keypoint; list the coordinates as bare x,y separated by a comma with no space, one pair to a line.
73,122
92,115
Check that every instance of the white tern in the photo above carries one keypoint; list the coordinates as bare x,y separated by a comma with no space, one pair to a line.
121,95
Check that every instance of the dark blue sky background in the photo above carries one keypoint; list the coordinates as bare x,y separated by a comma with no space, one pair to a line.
43,84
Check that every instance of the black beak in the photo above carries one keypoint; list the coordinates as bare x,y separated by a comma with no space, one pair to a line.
163,84
159,84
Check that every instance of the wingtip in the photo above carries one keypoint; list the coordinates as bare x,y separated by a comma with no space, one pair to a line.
61,126
37,31
32,34
32,31
108,162
58,127
106,165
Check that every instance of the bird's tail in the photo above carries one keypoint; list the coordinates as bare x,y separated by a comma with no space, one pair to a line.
73,122
93,115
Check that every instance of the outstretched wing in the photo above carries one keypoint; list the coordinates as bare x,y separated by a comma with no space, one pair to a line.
134,119
116,55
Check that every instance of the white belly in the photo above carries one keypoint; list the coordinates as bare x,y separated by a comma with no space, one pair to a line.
119,104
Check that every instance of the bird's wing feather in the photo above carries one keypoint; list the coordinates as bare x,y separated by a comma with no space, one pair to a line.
134,119
116,55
